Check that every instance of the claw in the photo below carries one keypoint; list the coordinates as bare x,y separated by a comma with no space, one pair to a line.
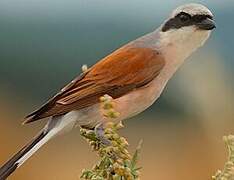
100,133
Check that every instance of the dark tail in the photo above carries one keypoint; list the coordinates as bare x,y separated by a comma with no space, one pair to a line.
11,165
55,126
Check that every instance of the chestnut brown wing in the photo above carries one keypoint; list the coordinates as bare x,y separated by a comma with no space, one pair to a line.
116,75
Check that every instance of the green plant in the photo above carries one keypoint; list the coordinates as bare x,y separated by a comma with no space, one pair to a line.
228,171
115,162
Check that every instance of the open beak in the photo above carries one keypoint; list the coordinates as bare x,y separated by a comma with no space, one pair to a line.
206,24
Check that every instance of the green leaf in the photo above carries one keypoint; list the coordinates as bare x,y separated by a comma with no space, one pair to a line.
136,154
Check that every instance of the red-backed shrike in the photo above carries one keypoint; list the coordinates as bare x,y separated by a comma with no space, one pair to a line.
134,75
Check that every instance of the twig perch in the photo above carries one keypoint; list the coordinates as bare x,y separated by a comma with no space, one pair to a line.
115,162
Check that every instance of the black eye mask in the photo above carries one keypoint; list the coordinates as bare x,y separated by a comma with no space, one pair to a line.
184,19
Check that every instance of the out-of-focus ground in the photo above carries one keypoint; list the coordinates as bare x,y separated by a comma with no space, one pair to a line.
42,47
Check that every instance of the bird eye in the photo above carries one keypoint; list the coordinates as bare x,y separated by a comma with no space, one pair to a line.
184,17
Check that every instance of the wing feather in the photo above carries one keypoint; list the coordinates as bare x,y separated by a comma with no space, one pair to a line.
116,75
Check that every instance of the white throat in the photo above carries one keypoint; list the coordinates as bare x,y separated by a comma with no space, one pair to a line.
181,43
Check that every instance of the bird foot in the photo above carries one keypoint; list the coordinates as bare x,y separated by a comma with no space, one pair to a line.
100,133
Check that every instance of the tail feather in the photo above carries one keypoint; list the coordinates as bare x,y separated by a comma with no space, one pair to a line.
11,165
55,126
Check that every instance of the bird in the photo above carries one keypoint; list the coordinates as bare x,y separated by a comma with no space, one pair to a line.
134,75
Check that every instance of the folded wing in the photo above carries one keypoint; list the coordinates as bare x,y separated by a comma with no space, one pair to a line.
116,75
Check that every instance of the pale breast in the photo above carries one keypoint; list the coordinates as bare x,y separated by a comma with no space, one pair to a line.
128,105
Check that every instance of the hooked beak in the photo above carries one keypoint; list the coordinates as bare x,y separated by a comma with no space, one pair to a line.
206,24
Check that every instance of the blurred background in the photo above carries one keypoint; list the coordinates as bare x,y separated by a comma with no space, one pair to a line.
43,44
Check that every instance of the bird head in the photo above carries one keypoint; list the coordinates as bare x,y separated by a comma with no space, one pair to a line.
188,27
